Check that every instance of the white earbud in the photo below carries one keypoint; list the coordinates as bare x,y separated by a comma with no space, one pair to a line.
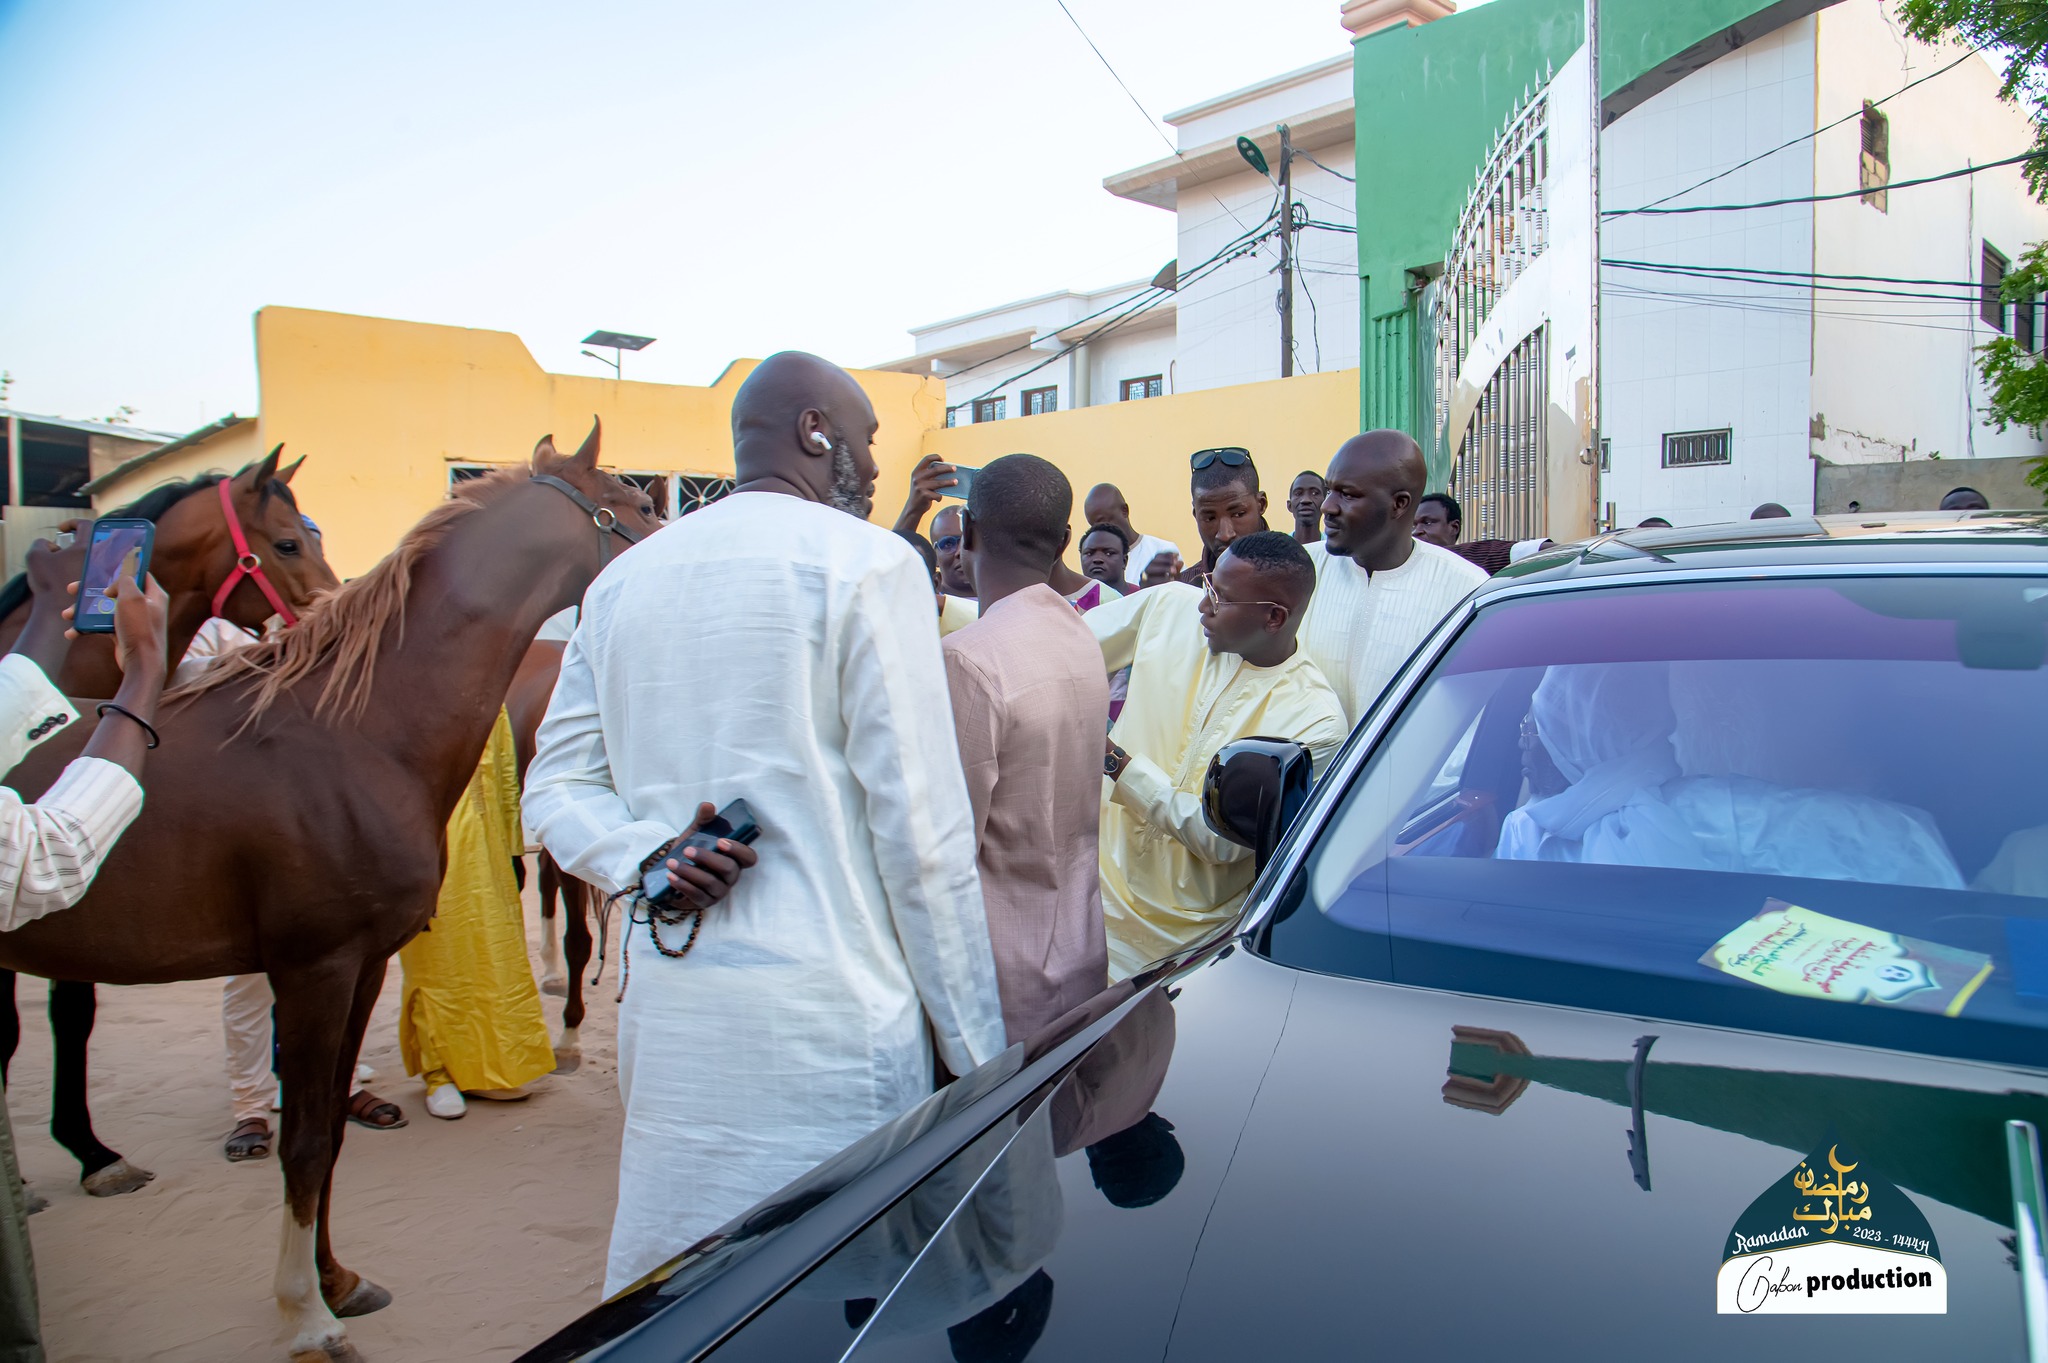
818,439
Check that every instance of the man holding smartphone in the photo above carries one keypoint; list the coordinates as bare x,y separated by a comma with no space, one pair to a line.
51,850
774,648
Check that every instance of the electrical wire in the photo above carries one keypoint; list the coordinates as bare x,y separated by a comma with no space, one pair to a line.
1969,299
1825,198
1201,271
1312,161
1272,212
1792,274
1803,137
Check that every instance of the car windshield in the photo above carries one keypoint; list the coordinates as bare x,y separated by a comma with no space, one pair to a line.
1747,803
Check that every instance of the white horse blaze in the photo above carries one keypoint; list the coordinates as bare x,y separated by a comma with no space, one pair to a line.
316,1334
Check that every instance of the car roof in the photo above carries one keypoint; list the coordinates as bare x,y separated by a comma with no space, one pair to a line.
1907,539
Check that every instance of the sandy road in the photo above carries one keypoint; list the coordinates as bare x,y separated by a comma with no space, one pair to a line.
490,1231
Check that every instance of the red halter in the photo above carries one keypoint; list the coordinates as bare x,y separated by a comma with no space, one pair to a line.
246,564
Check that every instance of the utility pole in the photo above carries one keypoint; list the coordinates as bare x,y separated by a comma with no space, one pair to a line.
1594,415
1286,253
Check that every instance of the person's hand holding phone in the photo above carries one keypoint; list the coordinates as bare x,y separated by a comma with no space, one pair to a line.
1164,567
700,878
140,634
928,482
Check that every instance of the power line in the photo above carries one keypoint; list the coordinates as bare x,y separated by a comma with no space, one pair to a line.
1824,198
1970,299
1793,274
1312,161
1805,137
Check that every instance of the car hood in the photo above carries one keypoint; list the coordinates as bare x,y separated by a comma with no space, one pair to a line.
1259,1162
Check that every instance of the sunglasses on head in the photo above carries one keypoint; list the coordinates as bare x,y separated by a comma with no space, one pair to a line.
1233,455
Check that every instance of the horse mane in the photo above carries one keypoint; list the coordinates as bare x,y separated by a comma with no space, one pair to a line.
345,627
150,506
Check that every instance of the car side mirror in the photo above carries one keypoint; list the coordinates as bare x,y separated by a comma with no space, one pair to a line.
1254,788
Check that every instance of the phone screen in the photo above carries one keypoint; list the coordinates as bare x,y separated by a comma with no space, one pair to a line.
111,543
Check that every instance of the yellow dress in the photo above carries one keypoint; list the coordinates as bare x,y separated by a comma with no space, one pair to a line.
469,1013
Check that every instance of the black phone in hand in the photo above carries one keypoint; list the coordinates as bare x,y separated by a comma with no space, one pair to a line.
734,823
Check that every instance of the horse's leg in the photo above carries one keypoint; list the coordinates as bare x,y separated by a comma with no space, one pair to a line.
73,1006
10,1026
576,898
314,1009
349,1294
551,885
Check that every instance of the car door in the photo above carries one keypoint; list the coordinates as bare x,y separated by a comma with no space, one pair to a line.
1596,1048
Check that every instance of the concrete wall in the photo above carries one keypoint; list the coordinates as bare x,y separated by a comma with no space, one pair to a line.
384,407
226,451
1920,484
1895,378
1683,353
1288,425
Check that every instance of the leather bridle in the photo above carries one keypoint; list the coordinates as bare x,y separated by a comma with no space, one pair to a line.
603,517
247,564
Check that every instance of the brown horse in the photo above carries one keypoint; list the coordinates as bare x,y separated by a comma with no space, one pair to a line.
194,558
297,813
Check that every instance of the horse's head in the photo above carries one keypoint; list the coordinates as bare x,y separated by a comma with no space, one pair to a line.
631,508
285,543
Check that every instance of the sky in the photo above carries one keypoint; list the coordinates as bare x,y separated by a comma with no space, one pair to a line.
731,178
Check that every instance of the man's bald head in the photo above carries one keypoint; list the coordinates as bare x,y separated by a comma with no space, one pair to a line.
1105,505
1372,487
801,425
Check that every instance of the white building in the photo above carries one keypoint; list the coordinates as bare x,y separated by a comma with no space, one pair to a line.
1212,317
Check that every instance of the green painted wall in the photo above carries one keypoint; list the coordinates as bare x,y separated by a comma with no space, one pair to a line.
1430,102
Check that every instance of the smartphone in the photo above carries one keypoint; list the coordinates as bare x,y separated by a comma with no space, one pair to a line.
112,541
964,483
735,822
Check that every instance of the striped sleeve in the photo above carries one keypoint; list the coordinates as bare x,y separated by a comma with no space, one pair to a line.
50,850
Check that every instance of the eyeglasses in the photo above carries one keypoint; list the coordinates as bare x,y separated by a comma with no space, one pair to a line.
1233,455
1216,601
946,544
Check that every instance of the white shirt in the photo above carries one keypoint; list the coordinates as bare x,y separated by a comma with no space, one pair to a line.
50,850
557,628
1141,555
215,638
1361,627
774,650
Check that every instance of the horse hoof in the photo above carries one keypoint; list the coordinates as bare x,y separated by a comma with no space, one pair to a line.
117,1178
365,1298
333,1351
568,1060
557,985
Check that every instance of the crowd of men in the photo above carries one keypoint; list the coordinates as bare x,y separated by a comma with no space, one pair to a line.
976,768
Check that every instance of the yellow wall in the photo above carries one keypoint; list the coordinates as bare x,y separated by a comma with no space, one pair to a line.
383,407
225,452
1143,447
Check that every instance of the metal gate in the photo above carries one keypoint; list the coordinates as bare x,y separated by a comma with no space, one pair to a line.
1498,476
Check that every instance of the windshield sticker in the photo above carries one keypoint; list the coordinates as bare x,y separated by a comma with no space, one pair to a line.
1832,1238
1796,950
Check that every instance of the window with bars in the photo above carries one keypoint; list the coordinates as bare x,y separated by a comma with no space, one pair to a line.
1039,401
1991,306
1151,386
1690,449
990,409
674,494
952,416
1874,161
2026,324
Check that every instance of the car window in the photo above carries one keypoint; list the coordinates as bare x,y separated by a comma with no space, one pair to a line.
1806,806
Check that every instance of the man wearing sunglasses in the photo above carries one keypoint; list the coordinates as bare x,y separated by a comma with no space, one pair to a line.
1209,665
1227,503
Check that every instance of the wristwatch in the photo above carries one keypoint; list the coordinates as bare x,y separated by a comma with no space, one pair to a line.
1114,760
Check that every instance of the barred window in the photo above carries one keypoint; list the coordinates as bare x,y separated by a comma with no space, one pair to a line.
1039,401
1151,386
1874,160
1688,449
990,409
1991,307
